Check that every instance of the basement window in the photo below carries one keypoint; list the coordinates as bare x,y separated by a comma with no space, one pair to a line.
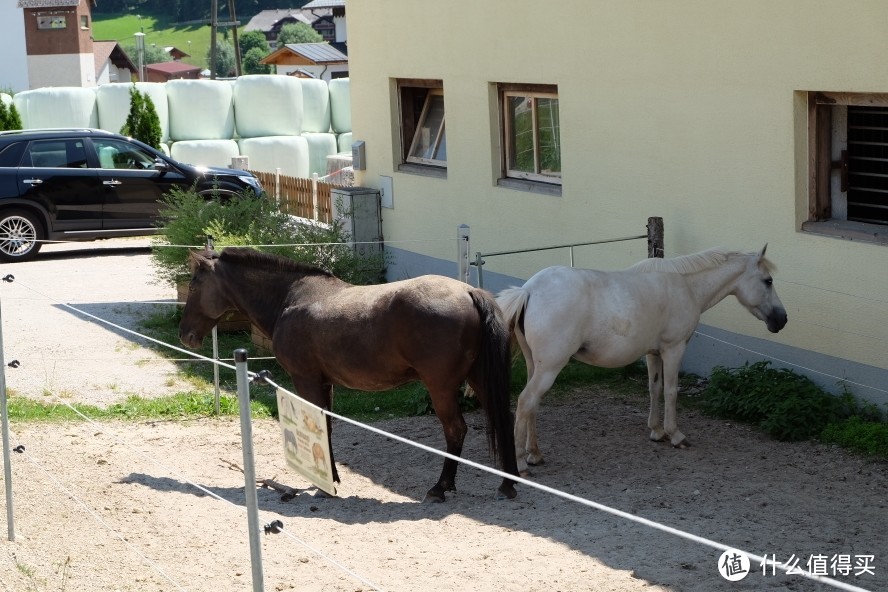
848,165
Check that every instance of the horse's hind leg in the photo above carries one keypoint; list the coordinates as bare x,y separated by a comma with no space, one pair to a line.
527,449
447,409
655,388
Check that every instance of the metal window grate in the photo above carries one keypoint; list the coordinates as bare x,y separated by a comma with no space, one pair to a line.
868,164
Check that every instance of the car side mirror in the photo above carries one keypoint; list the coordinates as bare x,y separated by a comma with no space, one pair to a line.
161,165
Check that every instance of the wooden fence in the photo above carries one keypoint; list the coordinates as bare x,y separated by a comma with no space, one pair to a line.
306,198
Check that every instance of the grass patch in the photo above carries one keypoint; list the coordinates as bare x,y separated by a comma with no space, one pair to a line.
160,29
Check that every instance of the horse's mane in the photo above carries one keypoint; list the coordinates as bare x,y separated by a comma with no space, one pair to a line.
268,262
695,261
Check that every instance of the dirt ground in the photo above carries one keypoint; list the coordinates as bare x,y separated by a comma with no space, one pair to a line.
159,506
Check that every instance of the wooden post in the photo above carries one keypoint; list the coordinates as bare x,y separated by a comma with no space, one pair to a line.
655,237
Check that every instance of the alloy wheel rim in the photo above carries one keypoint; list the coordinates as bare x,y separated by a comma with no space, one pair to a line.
17,236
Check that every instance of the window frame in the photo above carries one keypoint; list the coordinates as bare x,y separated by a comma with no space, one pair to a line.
536,178
410,115
440,135
824,167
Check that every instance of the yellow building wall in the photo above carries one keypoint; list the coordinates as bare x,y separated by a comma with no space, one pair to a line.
692,110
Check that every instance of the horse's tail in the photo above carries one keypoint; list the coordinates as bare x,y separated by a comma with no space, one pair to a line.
513,302
494,371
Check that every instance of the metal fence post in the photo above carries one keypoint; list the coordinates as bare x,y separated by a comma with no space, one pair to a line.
215,334
479,263
252,500
314,195
462,253
4,414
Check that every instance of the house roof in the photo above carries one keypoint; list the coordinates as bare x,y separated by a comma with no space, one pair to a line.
104,51
304,54
172,67
324,4
48,3
176,53
267,19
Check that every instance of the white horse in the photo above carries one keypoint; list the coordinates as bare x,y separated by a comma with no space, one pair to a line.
613,318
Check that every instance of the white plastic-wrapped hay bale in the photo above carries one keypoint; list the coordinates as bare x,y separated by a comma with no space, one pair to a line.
267,105
315,106
320,146
57,107
200,109
344,141
216,153
113,102
340,105
269,153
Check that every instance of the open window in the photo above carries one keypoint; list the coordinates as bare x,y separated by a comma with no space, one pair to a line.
848,165
423,131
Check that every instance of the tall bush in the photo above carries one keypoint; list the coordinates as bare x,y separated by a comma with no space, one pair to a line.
186,219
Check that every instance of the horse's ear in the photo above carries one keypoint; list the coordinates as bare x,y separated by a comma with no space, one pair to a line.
198,258
762,254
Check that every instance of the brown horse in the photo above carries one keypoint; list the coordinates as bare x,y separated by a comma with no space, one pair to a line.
327,332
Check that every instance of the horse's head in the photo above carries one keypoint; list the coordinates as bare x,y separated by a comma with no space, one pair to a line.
755,290
206,302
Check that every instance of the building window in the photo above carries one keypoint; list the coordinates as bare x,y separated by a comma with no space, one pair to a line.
423,131
848,165
51,22
429,145
84,22
531,132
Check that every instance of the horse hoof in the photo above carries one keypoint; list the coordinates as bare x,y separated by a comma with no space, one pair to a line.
505,492
525,473
662,438
537,462
434,496
682,445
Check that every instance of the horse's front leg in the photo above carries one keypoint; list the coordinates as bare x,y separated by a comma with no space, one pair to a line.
655,388
447,409
671,363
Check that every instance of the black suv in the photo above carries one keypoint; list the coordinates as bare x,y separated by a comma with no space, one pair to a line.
85,184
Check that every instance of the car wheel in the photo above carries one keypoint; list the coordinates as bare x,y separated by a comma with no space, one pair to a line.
20,235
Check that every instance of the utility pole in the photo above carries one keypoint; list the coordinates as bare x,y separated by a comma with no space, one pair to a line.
214,9
234,23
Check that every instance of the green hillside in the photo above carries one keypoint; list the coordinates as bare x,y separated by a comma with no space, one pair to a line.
159,30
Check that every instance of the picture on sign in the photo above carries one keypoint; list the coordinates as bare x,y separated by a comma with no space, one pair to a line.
306,444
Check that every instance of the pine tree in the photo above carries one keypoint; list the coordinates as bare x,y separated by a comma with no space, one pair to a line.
4,116
13,119
142,123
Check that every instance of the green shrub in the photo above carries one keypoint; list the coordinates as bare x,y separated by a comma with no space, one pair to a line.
784,404
857,433
186,219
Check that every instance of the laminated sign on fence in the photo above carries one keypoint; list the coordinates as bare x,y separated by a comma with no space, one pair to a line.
306,445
